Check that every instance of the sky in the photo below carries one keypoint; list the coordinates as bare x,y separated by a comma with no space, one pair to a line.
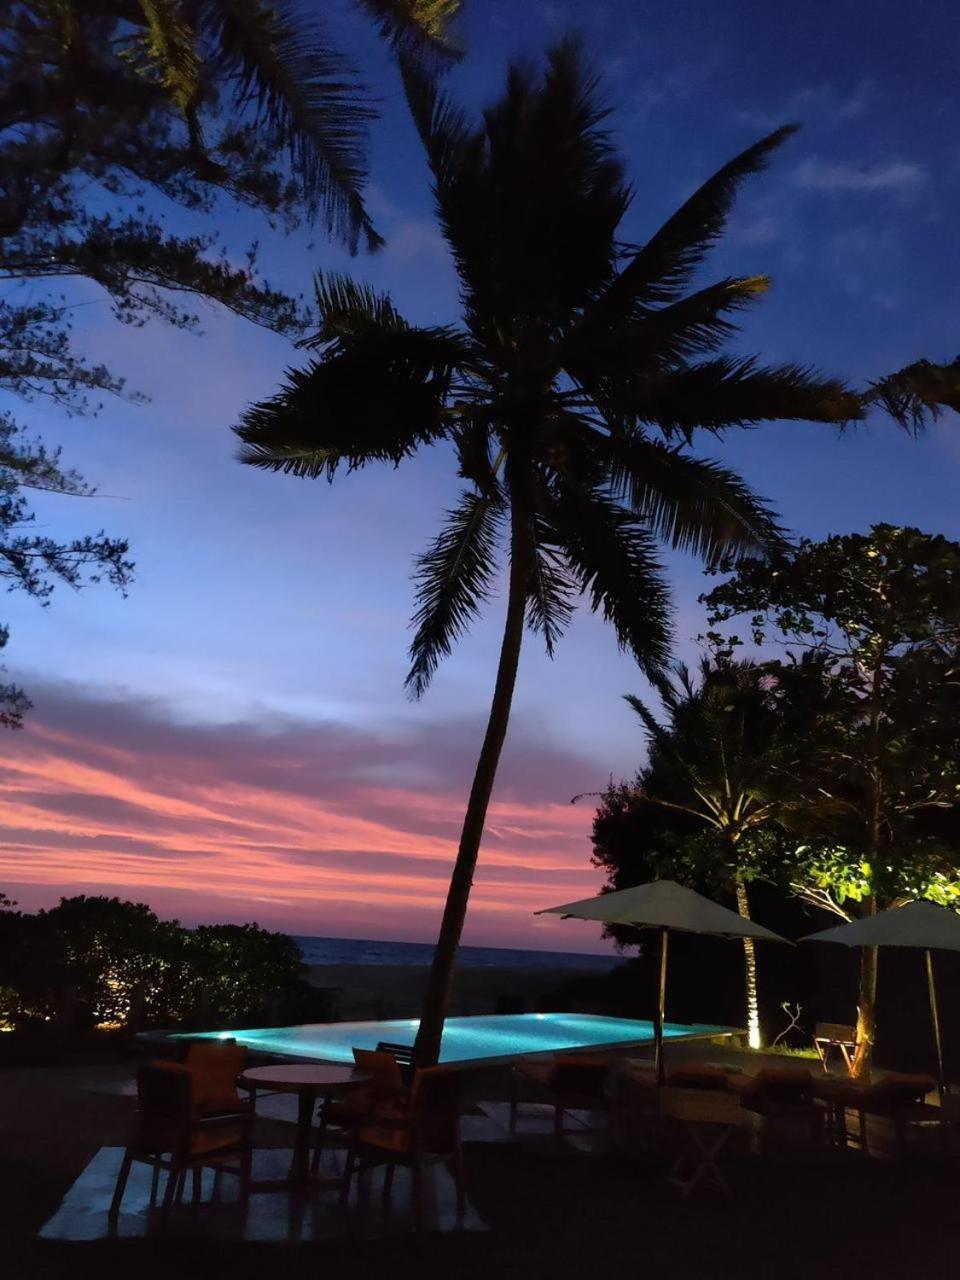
232,741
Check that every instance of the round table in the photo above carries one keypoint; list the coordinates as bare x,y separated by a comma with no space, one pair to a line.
309,1082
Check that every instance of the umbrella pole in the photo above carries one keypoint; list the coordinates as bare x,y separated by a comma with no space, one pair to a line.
661,1001
935,1017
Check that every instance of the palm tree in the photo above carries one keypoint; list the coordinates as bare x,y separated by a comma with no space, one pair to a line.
720,759
570,394
279,66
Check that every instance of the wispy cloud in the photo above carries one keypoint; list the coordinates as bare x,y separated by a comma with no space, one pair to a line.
898,176
817,103
294,824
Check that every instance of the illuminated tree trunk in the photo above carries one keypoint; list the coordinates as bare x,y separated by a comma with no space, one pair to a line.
437,997
866,1009
750,967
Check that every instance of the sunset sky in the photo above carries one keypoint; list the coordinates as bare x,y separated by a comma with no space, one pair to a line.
232,742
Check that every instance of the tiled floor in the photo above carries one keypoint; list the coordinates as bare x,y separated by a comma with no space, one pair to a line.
279,1215
272,1215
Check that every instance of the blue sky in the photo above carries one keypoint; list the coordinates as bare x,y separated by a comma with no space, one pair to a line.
264,602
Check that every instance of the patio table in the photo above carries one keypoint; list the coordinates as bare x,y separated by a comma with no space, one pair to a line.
309,1082
707,1118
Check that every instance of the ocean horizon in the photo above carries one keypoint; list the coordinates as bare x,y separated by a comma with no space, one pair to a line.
372,951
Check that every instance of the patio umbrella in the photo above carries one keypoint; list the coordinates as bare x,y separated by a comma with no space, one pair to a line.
922,925
665,906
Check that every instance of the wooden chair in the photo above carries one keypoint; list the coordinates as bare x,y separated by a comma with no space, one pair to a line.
567,1082
835,1035
402,1055
170,1134
427,1132
385,1091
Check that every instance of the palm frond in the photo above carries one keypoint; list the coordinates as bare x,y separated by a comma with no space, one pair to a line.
660,339
441,124
917,394
172,45
537,184
347,307
550,589
453,579
694,504
378,396
309,96
659,271
655,730
727,392
612,556
415,28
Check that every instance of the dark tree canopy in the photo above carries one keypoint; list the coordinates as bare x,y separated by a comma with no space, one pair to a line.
872,622
123,122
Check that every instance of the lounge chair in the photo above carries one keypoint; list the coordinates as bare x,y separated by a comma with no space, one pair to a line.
566,1082
171,1134
426,1131
784,1099
898,1098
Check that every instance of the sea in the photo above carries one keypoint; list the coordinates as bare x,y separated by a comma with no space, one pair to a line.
373,952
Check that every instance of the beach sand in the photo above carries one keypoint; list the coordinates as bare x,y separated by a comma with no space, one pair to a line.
396,991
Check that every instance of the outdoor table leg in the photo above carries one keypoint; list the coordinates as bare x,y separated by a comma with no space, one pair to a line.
300,1167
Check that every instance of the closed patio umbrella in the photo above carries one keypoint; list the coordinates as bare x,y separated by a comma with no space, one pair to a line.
663,905
922,925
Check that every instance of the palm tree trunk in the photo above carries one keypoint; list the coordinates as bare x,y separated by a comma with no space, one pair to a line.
436,999
750,967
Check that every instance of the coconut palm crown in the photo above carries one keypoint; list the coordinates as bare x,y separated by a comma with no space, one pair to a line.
582,373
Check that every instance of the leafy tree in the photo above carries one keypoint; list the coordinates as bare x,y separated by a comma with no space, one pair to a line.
235,970
111,113
582,372
707,807
873,623
107,950
114,956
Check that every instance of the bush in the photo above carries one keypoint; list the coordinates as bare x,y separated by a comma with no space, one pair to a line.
102,962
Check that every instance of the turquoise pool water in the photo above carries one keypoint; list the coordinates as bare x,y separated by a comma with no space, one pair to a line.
486,1038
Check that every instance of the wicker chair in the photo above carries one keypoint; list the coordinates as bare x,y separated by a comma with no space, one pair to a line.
171,1134
427,1131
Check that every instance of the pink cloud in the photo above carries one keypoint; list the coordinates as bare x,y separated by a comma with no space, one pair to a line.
280,822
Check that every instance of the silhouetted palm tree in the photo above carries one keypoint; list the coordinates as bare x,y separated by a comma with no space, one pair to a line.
721,756
570,394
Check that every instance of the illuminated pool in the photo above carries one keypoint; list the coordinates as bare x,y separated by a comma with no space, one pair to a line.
484,1038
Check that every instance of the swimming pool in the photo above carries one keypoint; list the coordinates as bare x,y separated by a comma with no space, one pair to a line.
488,1038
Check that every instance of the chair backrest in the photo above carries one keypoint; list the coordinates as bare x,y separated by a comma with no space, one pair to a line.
835,1033
383,1070
435,1108
215,1065
164,1105
402,1054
